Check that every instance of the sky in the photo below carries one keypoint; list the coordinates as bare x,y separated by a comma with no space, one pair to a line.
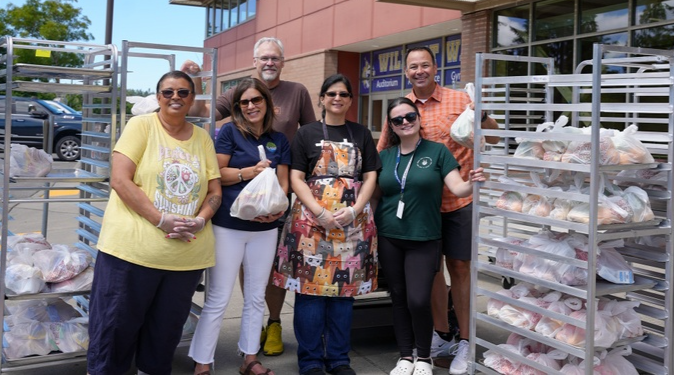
147,21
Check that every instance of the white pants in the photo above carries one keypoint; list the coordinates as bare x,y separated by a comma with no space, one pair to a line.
255,250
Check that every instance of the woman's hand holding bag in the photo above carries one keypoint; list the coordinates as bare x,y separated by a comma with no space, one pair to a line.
263,199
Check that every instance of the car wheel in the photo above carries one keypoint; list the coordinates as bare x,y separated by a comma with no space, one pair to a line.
68,148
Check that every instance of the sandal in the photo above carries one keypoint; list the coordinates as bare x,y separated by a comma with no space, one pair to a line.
249,369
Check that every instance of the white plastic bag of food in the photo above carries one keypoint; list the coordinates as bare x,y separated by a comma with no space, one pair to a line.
29,162
630,148
262,196
61,262
462,128
23,279
28,338
580,152
612,267
83,281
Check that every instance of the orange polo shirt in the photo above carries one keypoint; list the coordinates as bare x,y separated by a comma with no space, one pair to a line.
438,114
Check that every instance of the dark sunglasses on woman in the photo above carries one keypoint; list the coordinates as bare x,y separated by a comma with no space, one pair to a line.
168,93
410,117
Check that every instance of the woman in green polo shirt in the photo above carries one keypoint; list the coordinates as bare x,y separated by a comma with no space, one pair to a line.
414,171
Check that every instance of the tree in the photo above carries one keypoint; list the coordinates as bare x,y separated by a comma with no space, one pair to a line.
53,20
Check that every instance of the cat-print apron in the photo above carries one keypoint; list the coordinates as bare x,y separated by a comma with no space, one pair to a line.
338,262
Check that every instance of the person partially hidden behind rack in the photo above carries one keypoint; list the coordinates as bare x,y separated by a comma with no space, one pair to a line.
156,238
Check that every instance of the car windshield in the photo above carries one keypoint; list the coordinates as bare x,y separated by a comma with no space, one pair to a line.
61,107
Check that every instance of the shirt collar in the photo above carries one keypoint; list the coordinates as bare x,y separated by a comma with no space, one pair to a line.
436,95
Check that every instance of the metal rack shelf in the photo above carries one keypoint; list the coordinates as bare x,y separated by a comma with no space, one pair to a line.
643,79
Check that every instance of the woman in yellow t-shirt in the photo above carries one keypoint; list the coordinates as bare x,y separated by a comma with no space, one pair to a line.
156,237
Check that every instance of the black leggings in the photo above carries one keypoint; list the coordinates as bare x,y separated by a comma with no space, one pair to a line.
409,267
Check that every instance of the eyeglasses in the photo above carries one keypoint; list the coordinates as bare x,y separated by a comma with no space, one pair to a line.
332,94
266,59
410,117
168,93
243,103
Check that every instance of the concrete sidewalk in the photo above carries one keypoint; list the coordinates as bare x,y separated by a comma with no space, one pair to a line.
374,350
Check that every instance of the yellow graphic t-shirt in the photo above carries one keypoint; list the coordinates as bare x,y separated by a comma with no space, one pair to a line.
174,175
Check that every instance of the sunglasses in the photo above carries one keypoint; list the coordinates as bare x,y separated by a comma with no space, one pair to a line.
410,117
332,94
256,100
168,93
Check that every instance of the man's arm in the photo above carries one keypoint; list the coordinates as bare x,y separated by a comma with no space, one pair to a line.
199,108
490,123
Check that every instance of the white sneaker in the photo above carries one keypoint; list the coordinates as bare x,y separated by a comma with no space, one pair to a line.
461,354
440,347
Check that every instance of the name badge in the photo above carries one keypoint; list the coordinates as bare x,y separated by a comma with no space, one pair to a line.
401,207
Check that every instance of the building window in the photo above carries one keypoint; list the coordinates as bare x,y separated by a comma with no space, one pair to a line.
225,14
637,23
226,85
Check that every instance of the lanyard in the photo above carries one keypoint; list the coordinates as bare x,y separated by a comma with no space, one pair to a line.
407,169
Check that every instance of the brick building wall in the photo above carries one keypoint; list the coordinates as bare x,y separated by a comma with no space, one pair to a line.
474,38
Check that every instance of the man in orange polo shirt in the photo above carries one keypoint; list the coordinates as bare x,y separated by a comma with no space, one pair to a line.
439,108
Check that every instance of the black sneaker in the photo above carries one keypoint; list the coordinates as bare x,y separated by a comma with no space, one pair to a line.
342,370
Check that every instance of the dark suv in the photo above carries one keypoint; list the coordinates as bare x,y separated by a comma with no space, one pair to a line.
30,118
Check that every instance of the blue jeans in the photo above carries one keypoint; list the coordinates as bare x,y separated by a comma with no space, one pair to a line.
323,331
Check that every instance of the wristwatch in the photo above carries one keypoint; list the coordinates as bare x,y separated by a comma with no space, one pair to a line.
240,176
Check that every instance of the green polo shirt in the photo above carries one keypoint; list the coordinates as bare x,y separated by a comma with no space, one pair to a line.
421,220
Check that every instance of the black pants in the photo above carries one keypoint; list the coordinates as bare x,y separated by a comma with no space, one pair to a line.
409,268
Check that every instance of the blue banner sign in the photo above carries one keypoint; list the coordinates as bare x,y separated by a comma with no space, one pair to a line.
452,76
433,44
386,84
388,61
453,50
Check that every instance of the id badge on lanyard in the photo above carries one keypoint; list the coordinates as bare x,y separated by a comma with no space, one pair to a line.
403,181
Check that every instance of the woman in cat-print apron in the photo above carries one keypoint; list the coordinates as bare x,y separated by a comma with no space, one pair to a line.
328,249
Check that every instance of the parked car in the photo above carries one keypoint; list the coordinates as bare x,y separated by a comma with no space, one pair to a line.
30,118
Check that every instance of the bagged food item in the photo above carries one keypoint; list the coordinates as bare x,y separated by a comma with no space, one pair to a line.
262,196
28,338
614,362
42,310
610,210
81,282
580,152
630,148
612,267
530,149
29,162
637,199
30,238
551,359
501,363
462,128
61,262
536,205
70,336
22,278
504,256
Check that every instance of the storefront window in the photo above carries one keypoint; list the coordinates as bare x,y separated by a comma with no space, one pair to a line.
655,37
562,54
585,47
512,27
553,19
649,11
602,15
512,68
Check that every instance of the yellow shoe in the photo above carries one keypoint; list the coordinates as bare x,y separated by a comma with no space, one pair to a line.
263,336
274,344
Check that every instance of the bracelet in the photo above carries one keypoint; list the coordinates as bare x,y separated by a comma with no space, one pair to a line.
484,117
161,221
321,214
240,176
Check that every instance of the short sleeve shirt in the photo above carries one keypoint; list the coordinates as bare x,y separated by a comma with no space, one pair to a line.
292,106
244,153
421,220
174,175
438,113
306,148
